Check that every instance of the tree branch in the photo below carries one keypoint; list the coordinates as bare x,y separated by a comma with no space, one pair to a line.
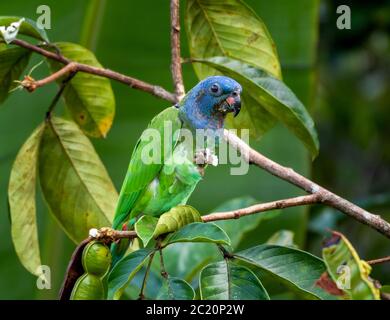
378,261
176,70
102,72
324,195
261,207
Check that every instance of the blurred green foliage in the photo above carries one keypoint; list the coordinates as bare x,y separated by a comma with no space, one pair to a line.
350,111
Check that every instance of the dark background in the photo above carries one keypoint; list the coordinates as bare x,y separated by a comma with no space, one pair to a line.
342,76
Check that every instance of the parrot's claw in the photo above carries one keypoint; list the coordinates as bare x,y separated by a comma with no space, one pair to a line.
204,157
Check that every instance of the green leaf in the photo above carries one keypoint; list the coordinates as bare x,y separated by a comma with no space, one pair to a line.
273,95
283,238
13,61
347,270
21,197
145,227
244,224
229,28
225,280
124,271
296,269
186,259
74,181
89,98
198,232
28,27
176,218
176,289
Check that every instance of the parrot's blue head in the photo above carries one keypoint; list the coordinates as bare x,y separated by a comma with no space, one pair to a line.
206,105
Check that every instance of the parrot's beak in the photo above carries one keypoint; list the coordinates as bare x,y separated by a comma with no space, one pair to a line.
234,102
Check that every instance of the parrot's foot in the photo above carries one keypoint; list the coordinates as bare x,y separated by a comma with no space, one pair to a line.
204,157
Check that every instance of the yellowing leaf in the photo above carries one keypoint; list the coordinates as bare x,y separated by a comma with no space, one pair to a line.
347,270
74,181
21,197
89,98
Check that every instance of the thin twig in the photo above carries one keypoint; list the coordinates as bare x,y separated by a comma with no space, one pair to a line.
378,261
261,207
176,70
141,294
164,272
59,94
324,195
102,72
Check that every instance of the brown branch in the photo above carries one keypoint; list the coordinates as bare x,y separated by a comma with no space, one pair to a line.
324,195
107,73
378,261
177,74
261,207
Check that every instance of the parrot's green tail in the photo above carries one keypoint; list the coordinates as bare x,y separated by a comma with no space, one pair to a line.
119,248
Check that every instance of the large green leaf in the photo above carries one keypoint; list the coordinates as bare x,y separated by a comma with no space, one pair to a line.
176,218
13,60
124,271
175,289
348,271
229,28
244,224
225,280
21,196
28,27
89,98
198,232
74,181
273,95
297,269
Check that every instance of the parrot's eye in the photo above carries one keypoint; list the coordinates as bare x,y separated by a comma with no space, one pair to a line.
215,89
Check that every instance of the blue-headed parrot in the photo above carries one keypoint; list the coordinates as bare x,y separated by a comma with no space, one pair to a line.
154,187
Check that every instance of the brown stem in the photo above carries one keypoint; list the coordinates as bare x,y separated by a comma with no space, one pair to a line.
378,261
141,294
261,207
324,195
177,74
131,82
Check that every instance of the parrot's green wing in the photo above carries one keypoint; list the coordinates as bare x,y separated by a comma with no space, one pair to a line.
140,174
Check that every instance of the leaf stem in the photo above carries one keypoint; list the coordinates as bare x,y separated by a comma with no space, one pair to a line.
141,294
59,94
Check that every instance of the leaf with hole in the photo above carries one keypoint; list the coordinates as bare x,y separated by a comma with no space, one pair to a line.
298,270
225,280
28,27
124,271
229,28
176,218
175,289
273,95
198,232
89,98
74,181
347,270
13,61
21,197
